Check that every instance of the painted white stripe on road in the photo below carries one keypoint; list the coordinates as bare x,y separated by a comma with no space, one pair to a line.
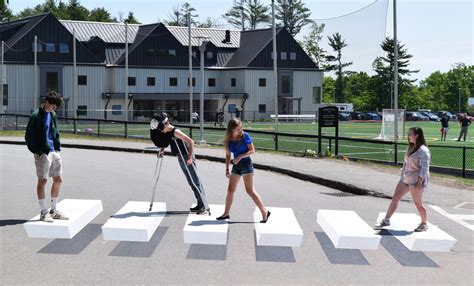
347,230
133,222
80,213
205,229
456,218
402,226
281,228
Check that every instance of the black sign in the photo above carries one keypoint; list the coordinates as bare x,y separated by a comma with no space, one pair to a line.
328,116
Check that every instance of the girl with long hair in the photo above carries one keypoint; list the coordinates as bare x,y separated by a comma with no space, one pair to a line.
414,179
239,143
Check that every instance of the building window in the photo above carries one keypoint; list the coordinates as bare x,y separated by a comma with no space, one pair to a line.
173,81
194,54
285,84
132,81
194,81
262,82
262,108
210,55
82,80
150,81
63,48
233,82
81,110
316,94
39,47
283,56
211,82
172,52
293,56
149,52
117,109
50,48
161,52
5,94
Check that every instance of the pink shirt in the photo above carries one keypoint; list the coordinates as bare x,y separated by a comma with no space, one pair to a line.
417,165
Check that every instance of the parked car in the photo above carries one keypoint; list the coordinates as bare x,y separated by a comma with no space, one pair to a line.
373,116
344,116
441,114
413,116
357,115
423,116
431,116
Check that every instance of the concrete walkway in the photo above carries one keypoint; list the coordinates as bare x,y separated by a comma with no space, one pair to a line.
342,175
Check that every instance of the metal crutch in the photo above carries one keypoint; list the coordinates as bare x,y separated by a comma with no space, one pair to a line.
159,163
201,190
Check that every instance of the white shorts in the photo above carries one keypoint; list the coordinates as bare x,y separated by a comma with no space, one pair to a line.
48,165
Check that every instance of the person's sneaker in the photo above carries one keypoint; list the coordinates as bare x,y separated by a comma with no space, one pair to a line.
55,214
421,227
202,211
384,222
46,217
196,208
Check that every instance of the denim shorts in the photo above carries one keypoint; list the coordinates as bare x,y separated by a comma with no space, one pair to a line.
245,166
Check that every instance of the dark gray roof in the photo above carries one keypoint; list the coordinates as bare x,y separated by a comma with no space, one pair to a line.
215,36
31,22
252,43
108,32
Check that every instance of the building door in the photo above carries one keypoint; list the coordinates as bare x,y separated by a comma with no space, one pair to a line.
285,90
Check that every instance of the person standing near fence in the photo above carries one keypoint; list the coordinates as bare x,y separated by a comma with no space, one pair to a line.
42,139
444,127
464,122
414,179
239,143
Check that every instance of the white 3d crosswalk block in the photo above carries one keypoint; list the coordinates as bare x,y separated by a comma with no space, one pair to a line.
80,213
402,226
133,222
281,229
347,230
205,229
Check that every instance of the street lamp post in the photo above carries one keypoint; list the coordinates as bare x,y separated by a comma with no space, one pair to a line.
459,100
202,49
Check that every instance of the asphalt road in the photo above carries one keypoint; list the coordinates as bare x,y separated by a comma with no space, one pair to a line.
116,178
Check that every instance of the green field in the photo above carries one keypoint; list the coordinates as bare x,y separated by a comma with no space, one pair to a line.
442,154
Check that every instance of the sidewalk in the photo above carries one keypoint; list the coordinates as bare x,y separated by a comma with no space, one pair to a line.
346,176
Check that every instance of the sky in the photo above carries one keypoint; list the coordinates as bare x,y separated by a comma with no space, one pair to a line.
438,33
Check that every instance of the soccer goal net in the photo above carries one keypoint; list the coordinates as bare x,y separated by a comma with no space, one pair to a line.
387,131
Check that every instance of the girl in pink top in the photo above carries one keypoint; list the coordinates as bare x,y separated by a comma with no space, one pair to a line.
414,179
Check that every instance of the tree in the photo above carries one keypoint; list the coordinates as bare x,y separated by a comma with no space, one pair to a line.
100,15
359,90
247,14
384,66
179,16
236,15
75,11
293,15
6,14
208,23
335,64
311,44
257,13
131,19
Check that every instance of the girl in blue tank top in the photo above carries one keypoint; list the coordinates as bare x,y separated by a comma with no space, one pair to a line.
239,143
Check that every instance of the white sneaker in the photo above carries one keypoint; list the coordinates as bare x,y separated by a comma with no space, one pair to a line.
384,222
46,217
55,214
